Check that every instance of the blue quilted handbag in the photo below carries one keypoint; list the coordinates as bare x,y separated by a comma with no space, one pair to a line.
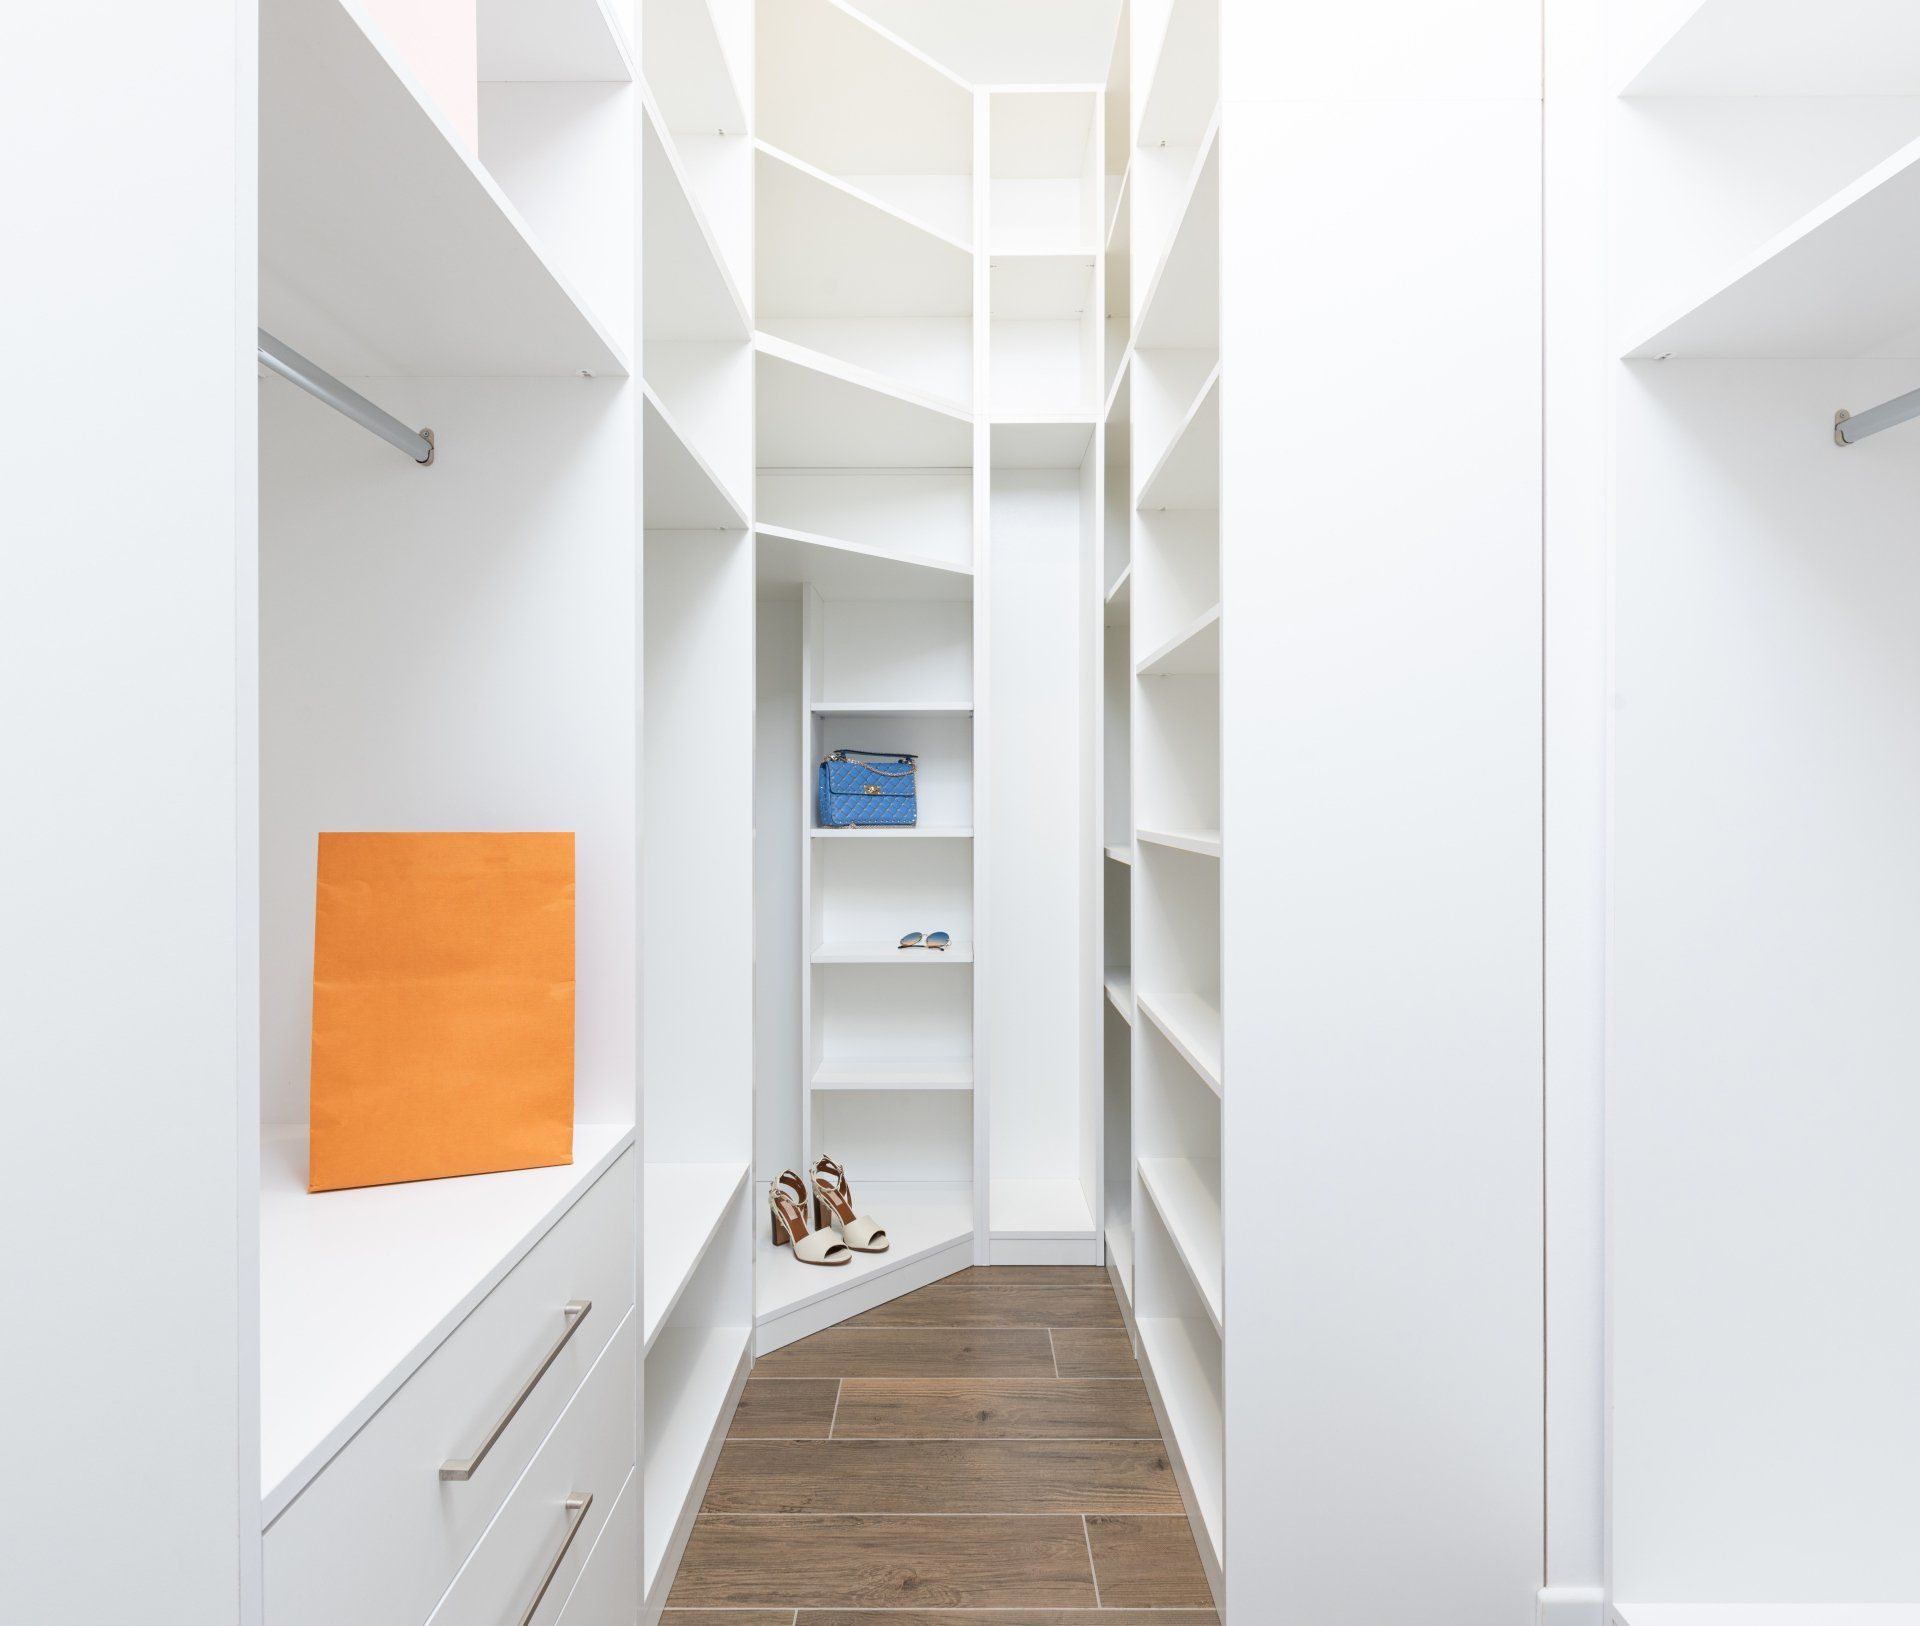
867,787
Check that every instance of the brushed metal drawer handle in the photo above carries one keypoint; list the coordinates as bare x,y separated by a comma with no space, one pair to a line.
577,1505
462,1468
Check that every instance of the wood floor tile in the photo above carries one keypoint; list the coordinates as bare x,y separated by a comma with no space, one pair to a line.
785,1409
999,1617
738,1617
958,1302
885,1563
943,1476
1147,1563
904,1352
994,1409
1094,1352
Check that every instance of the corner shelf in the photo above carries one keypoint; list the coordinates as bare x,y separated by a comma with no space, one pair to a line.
891,708
1780,300
1192,651
1206,843
1119,984
682,1205
892,832
891,954
1120,599
1191,1026
1120,855
386,248
1191,1212
815,411
895,1073
839,568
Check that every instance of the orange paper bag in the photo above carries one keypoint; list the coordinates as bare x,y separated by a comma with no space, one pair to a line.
442,1007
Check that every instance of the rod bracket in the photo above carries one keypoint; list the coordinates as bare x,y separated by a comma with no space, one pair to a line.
433,450
1839,439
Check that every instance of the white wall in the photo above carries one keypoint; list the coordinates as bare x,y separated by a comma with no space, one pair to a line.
128,1166
1381,547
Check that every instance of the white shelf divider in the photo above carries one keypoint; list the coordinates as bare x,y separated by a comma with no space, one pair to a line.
893,832
1780,301
1194,649
895,1073
385,245
891,708
1204,842
1190,1025
1191,1212
955,953
682,1206
683,493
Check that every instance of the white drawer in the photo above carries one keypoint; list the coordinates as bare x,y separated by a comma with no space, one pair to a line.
589,1458
608,1591
378,1534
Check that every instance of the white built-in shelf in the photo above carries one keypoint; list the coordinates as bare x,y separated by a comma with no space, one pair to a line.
552,40
1204,842
1181,309
955,953
1183,79
682,1206
842,569
1036,287
1117,383
1042,441
1771,48
690,65
1120,598
1120,855
815,411
1191,1025
1836,283
859,102
1117,210
1189,1205
691,292
1039,1210
919,1220
689,1378
1183,1357
855,245
1193,650
1188,472
1765,1614
358,1288
1120,991
892,708
894,832
894,1073
682,492
385,246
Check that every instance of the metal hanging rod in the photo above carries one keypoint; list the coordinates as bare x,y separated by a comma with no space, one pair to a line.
323,386
1849,428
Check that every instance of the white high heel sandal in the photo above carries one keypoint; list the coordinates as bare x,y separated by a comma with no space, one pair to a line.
833,1207
819,1247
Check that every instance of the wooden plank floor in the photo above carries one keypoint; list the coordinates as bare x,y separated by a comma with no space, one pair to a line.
978,1453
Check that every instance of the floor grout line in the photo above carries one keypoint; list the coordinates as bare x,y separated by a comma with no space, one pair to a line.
1092,1569
1053,1350
839,1385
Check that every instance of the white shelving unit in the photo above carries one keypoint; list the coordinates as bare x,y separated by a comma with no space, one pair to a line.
1159,603
696,995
